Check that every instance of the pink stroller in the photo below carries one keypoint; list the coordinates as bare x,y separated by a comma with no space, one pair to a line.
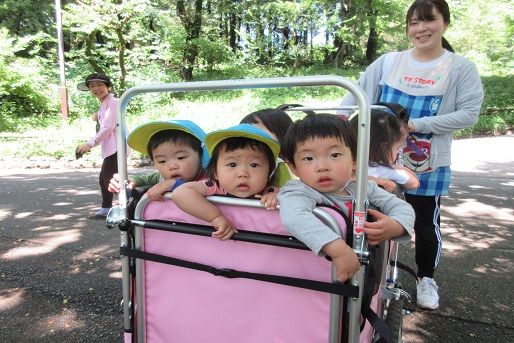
180,285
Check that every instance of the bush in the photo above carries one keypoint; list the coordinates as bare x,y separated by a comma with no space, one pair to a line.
21,93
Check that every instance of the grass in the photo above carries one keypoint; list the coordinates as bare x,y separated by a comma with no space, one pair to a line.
50,137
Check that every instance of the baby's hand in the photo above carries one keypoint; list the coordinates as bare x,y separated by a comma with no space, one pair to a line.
224,228
383,229
114,184
346,264
269,200
156,192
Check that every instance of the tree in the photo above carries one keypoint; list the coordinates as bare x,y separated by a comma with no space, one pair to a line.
37,22
103,28
191,18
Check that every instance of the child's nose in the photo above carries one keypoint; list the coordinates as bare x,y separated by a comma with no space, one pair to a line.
322,165
242,172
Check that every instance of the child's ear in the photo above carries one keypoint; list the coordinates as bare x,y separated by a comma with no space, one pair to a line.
292,168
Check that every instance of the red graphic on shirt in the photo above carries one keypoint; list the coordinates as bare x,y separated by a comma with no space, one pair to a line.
419,80
416,154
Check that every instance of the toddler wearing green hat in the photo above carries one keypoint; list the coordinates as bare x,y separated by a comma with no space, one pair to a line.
176,147
242,163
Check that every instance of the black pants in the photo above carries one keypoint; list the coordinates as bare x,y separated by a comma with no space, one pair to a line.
428,232
109,168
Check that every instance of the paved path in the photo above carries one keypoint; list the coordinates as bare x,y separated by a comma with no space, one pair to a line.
60,273
476,273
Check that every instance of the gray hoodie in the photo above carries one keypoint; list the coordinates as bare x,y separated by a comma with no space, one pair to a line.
298,200
459,109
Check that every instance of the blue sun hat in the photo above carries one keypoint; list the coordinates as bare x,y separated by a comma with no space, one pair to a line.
140,136
242,130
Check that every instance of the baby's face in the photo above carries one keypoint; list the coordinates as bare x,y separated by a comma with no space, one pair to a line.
325,164
176,161
242,172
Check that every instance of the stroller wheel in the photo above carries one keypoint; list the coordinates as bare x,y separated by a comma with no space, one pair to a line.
394,319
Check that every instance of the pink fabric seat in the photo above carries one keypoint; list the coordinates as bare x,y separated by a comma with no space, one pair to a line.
183,305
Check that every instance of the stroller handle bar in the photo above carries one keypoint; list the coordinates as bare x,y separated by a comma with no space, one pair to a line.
363,105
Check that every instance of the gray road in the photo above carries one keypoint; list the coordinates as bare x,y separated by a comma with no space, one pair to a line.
60,273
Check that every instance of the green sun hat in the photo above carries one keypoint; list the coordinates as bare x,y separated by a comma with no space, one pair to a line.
140,136
242,130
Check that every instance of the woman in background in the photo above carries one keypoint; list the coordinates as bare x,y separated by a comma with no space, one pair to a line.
100,87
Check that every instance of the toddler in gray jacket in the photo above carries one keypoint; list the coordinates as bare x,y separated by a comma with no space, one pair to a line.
320,149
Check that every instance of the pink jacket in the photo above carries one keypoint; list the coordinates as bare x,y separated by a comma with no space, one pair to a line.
107,119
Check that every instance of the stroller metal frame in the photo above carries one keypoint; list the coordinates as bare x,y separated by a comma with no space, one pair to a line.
360,204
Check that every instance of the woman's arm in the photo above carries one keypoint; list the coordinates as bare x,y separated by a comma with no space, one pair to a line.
461,103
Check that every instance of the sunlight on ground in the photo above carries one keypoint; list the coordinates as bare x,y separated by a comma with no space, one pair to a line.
67,320
79,191
10,298
465,233
510,184
62,203
43,244
91,254
501,265
5,212
59,217
466,243
471,207
42,228
115,275
21,215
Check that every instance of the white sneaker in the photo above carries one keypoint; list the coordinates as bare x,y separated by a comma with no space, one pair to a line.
102,212
427,296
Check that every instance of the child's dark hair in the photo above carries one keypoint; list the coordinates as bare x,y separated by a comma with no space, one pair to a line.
236,143
423,8
322,125
275,120
385,129
174,136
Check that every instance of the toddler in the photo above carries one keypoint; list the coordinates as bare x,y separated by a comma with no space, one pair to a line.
320,149
242,163
388,133
176,147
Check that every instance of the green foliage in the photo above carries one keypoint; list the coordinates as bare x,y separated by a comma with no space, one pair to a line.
143,41
482,30
21,84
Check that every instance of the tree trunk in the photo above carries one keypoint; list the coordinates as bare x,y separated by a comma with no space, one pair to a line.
192,27
372,45
232,31
91,39
121,57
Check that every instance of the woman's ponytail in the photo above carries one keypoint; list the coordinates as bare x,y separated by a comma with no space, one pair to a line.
447,46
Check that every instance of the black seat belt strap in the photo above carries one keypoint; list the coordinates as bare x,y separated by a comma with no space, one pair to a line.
327,287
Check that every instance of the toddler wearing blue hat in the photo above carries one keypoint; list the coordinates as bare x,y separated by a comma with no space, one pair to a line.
177,149
242,163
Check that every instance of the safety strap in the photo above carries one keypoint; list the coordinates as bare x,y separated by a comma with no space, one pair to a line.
378,324
327,287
